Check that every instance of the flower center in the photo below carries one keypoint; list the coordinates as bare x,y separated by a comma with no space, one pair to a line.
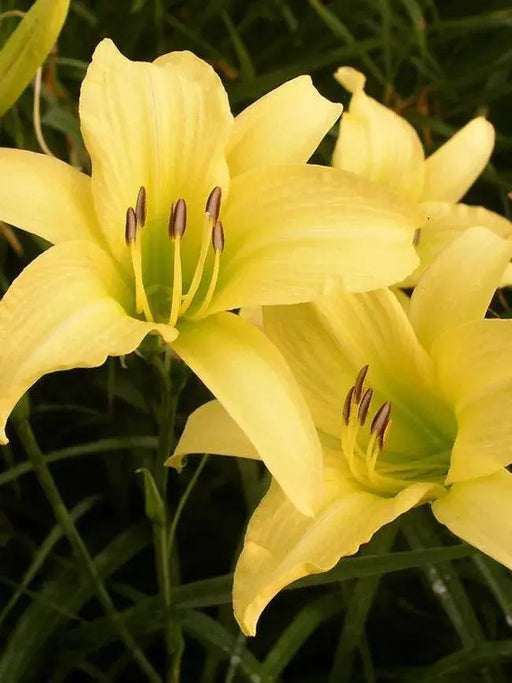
365,446
180,302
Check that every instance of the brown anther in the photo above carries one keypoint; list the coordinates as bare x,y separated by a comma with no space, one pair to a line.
130,230
348,405
381,438
140,207
358,384
364,406
381,418
416,238
218,237
213,203
178,219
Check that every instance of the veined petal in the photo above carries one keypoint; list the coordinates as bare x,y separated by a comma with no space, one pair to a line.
291,229
454,167
444,222
480,512
46,197
459,284
252,381
282,545
328,342
211,429
376,143
285,126
484,440
163,125
64,311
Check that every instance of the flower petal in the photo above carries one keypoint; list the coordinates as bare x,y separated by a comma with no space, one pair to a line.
285,126
459,284
60,206
328,342
63,311
252,381
211,429
480,512
282,545
454,167
290,229
376,143
163,125
444,222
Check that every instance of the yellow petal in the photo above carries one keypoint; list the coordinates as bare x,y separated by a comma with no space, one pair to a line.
444,222
163,125
459,284
60,206
289,230
285,126
480,512
211,429
63,311
328,342
484,440
376,143
250,378
454,167
28,47
281,545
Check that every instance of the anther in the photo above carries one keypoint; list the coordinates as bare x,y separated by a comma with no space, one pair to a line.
213,203
140,207
364,406
178,219
381,419
130,230
358,385
218,237
416,238
347,405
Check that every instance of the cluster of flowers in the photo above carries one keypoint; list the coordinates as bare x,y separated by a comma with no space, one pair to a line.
361,401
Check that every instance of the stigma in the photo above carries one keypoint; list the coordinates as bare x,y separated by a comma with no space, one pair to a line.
360,453
195,301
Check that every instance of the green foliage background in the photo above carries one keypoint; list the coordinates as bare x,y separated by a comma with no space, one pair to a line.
412,605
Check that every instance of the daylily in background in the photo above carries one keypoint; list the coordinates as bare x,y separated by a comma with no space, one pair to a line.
28,47
410,408
190,213
376,143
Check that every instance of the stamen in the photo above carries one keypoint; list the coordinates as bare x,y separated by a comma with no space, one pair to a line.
348,405
213,204
130,229
218,246
358,385
416,238
381,418
364,406
199,269
140,207
177,227
178,219
132,237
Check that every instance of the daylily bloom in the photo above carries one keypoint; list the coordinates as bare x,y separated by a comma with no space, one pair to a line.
376,143
190,213
410,408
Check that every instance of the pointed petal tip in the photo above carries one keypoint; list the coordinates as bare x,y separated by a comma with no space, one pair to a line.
351,79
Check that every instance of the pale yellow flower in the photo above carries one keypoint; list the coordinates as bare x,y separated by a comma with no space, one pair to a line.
410,408
376,143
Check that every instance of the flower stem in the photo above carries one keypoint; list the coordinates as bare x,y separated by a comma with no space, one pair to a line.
28,440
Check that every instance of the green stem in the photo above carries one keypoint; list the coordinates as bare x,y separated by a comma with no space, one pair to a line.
28,440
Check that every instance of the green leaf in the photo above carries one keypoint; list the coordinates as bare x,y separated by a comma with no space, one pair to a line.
28,47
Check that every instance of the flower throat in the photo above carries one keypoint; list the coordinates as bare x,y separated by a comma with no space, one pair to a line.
213,234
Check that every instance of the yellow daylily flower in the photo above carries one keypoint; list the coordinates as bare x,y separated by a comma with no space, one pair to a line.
190,213
379,144
411,407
